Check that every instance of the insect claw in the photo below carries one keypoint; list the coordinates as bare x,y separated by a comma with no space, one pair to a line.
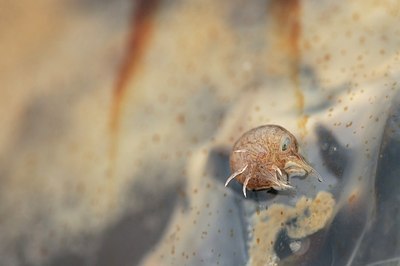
235,174
282,186
229,179
279,171
317,175
246,181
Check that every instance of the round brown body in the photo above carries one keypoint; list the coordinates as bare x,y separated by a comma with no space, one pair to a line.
265,157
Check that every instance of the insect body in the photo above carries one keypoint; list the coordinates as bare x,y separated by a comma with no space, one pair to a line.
266,157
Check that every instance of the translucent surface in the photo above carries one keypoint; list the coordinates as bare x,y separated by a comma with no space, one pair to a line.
118,118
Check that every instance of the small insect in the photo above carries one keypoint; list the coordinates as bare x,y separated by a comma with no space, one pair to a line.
266,157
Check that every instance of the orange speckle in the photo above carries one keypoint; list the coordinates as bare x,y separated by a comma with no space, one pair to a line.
180,118
327,57
353,197
156,138
355,16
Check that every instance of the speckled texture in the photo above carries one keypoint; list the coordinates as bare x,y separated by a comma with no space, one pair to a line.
298,222
117,119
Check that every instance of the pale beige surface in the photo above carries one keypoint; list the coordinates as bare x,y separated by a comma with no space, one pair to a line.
82,143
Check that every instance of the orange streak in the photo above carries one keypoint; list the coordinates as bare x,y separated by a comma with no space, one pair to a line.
141,29
287,15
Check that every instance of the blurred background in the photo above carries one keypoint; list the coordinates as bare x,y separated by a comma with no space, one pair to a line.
117,119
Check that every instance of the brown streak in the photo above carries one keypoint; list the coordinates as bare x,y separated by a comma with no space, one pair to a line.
287,15
287,25
141,29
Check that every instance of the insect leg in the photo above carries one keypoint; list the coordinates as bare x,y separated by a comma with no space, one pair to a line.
242,150
235,174
246,181
278,184
277,171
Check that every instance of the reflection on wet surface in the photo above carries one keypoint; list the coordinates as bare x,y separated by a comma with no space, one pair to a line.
380,238
335,157
118,120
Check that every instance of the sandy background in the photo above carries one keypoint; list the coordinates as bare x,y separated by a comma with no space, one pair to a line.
117,116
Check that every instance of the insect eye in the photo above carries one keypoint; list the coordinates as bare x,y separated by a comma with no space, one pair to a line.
285,144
